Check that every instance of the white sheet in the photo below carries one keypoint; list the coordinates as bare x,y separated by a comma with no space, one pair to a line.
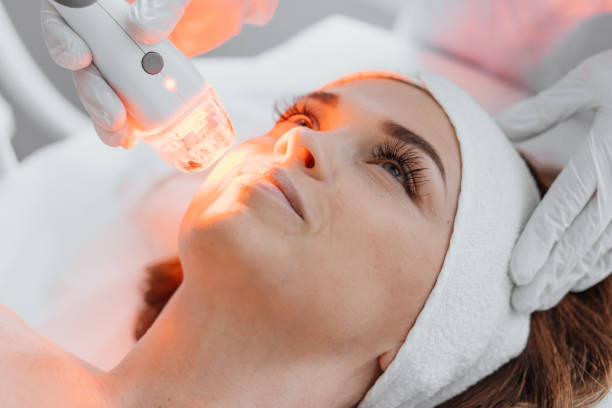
80,220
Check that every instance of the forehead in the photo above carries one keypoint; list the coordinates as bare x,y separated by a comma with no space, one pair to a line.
406,104
411,107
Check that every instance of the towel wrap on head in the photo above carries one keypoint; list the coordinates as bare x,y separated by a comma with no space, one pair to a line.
467,328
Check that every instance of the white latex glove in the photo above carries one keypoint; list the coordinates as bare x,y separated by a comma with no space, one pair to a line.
194,26
567,243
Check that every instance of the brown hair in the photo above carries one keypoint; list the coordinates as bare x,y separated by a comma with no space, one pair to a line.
567,362
163,279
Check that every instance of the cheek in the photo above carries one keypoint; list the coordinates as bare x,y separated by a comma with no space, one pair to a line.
383,260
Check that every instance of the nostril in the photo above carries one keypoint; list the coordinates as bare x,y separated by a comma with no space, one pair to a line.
306,157
310,162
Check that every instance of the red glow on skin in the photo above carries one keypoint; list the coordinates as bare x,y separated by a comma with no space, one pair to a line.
230,162
170,84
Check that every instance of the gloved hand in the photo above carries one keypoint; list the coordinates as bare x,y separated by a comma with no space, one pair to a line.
567,243
194,26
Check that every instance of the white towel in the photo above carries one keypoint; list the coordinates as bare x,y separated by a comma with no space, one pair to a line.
467,328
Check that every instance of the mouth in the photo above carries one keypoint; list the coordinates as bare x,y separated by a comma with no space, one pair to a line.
280,179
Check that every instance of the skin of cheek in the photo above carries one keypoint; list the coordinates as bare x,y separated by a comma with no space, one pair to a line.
385,259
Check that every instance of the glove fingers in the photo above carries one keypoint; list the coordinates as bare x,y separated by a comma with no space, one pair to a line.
549,294
112,139
65,46
123,137
577,241
99,99
539,113
567,264
541,293
538,295
596,265
601,271
600,146
152,21
582,256
565,199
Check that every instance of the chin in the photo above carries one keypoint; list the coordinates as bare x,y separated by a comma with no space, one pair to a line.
231,223
205,242
211,226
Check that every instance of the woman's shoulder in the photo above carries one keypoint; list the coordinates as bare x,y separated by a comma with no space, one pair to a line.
14,331
20,341
22,357
33,370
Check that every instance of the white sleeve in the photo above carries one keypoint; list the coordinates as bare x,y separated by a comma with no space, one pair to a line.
505,37
259,12
8,159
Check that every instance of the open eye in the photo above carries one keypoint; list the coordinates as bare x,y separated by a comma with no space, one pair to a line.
394,170
401,163
300,114
301,120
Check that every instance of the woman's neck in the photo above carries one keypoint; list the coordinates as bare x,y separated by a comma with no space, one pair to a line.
223,355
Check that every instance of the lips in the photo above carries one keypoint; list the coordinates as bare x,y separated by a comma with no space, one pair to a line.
278,179
281,180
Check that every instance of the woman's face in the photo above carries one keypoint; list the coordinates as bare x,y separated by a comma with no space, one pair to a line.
333,226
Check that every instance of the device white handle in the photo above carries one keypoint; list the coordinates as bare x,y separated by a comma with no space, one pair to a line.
155,82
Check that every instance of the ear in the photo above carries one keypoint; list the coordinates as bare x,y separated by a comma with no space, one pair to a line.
387,357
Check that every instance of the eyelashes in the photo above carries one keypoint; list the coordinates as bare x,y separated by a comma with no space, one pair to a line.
297,111
400,159
406,159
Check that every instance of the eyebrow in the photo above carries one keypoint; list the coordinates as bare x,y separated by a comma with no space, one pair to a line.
327,98
388,127
399,132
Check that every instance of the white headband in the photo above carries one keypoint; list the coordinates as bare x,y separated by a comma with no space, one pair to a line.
467,328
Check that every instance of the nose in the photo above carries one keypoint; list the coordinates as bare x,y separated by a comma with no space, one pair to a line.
302,146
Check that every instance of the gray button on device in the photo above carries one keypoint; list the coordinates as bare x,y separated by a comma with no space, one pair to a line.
153,63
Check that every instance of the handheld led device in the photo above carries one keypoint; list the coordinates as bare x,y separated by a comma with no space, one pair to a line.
176,110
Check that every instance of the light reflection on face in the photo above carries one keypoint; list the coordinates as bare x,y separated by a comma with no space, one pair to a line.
344,254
